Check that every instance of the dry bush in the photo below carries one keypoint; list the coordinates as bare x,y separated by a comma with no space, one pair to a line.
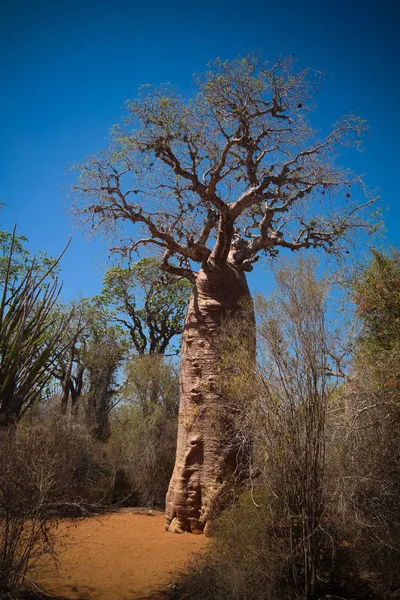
144,429
281,545
81,473
142,449
368,458
249,557
134,466
26,514
49,469
367,440
321,510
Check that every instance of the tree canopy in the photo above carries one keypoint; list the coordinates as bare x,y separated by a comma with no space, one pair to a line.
235,170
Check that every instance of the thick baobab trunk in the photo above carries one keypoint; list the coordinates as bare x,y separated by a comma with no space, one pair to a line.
204,460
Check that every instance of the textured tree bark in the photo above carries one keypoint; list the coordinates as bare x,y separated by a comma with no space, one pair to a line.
66,381
98,406
204,460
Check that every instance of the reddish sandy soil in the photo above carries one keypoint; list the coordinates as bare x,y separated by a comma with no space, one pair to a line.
120,556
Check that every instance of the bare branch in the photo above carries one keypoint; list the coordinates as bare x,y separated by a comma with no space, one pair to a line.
174,270
240,158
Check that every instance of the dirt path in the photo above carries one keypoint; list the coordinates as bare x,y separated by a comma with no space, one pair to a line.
122,556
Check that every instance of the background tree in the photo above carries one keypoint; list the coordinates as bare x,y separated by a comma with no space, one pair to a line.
216,180
146,375
150,304
70,367
376,294
149,307
105,349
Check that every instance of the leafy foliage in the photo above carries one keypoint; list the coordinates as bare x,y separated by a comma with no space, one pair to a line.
151,382
149,304
22,260
376,294
142,447
369,450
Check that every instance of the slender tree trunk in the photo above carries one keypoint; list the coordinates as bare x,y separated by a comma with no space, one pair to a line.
65,394
66,381
99,400
204,459
76,390
154,387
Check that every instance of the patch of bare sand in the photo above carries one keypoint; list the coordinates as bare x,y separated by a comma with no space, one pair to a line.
120,556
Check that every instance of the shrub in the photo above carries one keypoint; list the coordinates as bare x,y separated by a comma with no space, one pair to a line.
368,437
274,542
26,515
368,499
142,450
144,430
251,556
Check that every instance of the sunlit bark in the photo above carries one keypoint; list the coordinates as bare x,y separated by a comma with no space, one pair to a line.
204,461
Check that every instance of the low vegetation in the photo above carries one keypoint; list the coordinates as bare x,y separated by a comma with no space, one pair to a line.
85,422
319,515
313,510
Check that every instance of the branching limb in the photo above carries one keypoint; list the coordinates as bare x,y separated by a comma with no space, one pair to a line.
174,270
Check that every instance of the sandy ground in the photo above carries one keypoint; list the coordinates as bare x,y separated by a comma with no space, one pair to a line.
121,556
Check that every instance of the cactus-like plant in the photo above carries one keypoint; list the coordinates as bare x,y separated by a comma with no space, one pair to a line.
32,335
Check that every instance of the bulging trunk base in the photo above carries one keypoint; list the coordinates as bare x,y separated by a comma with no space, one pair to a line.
204,460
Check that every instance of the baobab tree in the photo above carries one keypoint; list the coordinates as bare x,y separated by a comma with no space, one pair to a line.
218,180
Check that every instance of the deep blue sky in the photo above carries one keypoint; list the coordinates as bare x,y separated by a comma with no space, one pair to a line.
67,68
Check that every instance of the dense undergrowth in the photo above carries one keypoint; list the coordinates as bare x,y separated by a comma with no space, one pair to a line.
319,516
52,468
